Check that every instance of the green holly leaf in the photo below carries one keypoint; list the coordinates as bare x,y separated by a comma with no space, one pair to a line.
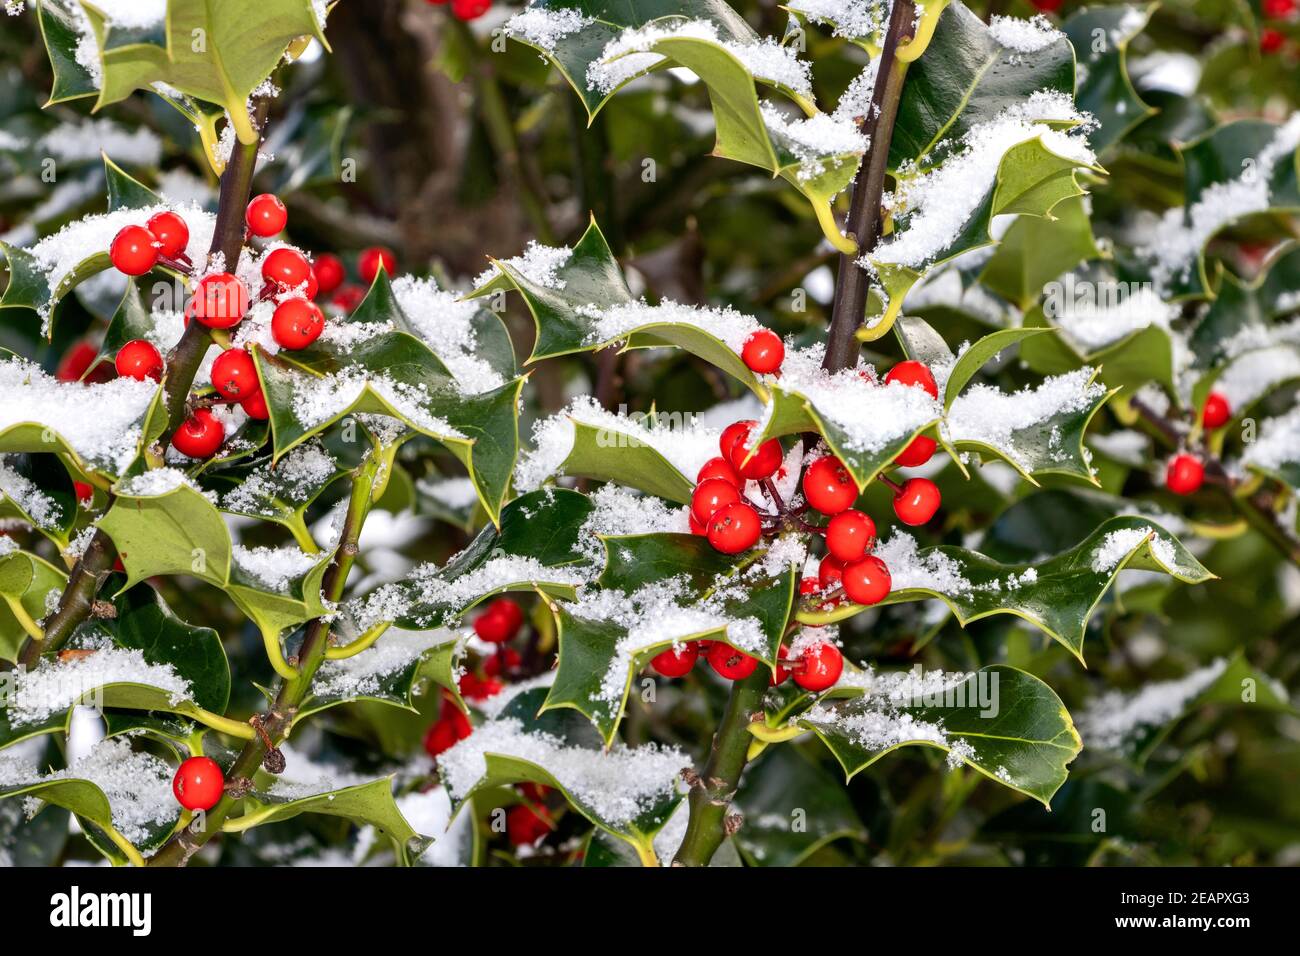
216,52
1035,251
59,31
1100,37
1251,312
37,489
1133,724
180,532
535,547
597,23
1135,359
792,809
1001,721
629,792
1058,595
740,601
365,804
977,356
25,582
1274,452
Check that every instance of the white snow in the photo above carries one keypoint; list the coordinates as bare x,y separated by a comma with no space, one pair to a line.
1095,321
362,674
444,322
538,264
545,28
1111,720
1252,375
822,143
725,324
1118,545
851,19
296,477
1278,442
28,497
53,686
273,569
1024,36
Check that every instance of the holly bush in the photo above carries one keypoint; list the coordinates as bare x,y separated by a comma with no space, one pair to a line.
640,433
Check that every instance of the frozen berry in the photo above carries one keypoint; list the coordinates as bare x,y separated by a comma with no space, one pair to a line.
731,663
763,352
912,372
1216,412
265,215
710,496
329,272
371,259
718,468
918,451
138,359
234,375
170,232
296,323
134,250
917,501
828,486
525,825
829,572
1184,474
734,528
819,667
286,267
850,535
198,783
200,435
867,581
676,661
220,301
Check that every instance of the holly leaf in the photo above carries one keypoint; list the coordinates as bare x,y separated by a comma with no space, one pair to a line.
366,804
1100,37
37,489
1003,722
71,80
739,601
792,809
536,546
974,358
628,792
25,582
1035,251
1058,595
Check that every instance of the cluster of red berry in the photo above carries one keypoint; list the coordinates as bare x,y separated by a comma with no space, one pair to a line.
530,820
817,667
1185,472
1271,39
464,9
221,300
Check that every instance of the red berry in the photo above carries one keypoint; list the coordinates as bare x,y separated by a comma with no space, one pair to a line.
828,486
917,453
676,661
829,572
734,528
1047,6
850,535
782,673
170,231
265,215
732,434
917,501
440,737
198,783
525,826
286,267
697,527
200,435
296,323
710,496
329,272
474,688
1217,411
731,663
763,352
912,372
1278,9
867,581
371,259
718,468
348,298
809,585
234,375
1184,474
255,406
764,461
505,660
220,301
1270,40
470,9
133,251
138,359
819,667
76,362
84,491
500,622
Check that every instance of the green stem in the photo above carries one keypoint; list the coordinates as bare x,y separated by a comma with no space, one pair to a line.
291,693
711,796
